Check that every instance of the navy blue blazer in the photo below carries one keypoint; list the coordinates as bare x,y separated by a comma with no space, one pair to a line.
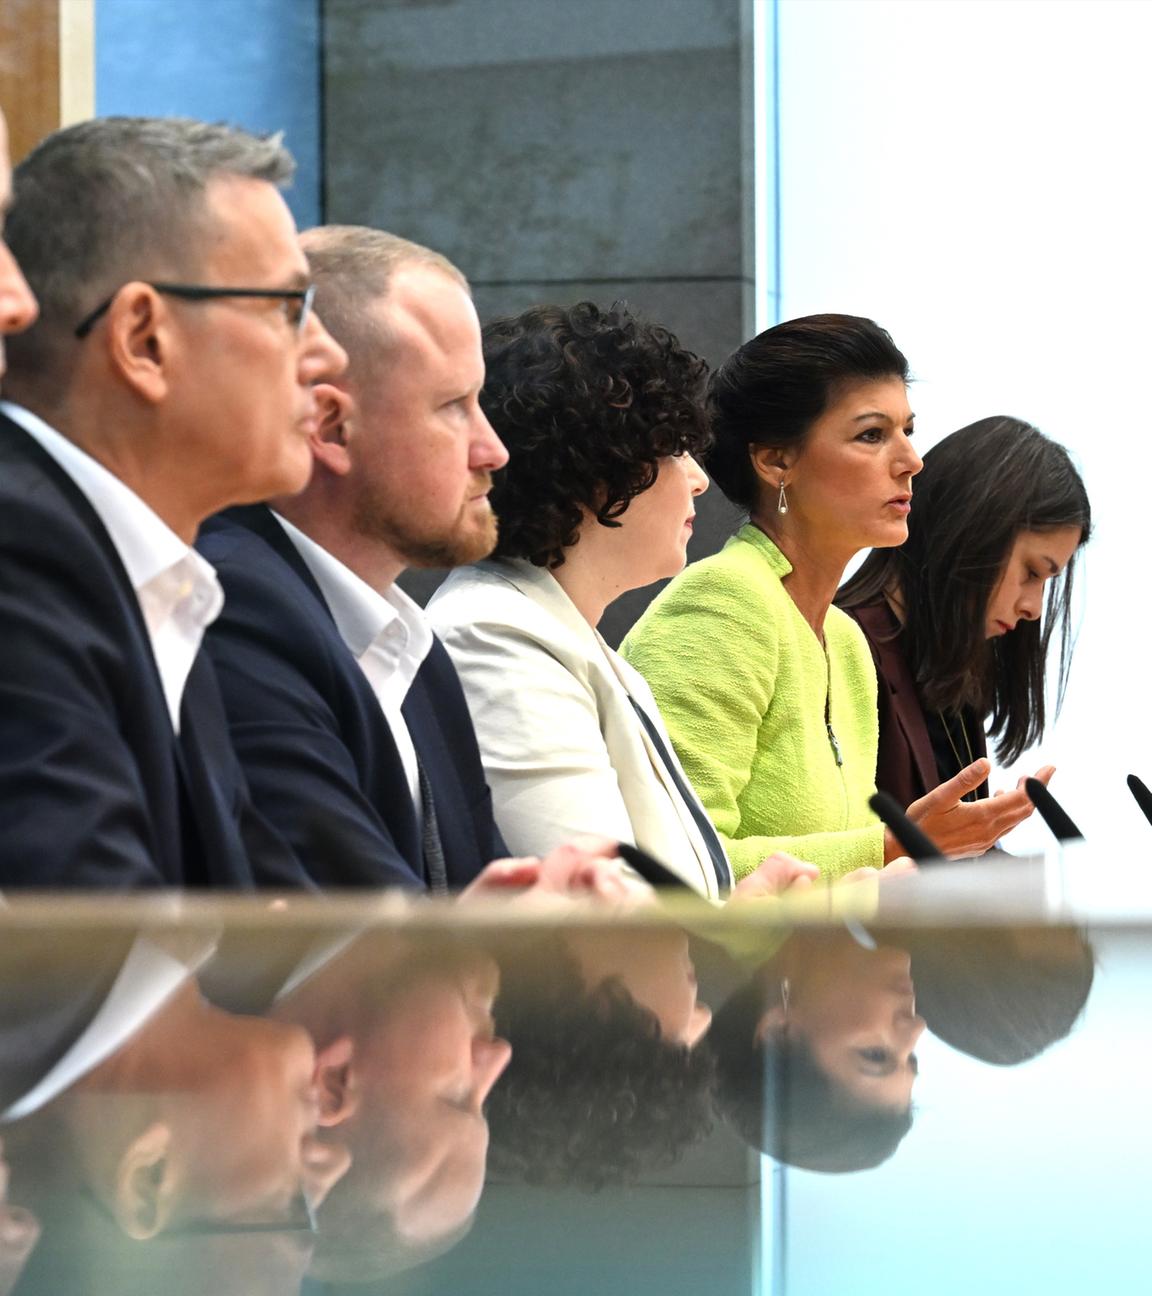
309,731
96,790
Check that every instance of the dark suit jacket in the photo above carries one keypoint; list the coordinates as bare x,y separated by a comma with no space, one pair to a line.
906,767
314,743
95,789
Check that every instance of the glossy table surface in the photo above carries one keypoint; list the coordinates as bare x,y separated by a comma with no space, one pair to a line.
934,1084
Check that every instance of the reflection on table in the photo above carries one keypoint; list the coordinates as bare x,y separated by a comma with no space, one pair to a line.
320,1100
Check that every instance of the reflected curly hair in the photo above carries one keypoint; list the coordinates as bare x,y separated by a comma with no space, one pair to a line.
588,402
594,1095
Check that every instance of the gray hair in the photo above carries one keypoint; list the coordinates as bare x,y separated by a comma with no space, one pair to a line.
107,201
353,267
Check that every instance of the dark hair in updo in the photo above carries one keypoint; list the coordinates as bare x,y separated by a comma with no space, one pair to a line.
588,402
774,1094
771,390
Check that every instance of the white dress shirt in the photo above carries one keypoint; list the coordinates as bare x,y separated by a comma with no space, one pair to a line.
386,633
179,594
156,967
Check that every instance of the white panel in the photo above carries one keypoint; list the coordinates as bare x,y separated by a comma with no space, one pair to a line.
975,176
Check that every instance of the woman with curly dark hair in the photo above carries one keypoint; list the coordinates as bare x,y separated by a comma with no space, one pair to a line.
602,415
611,1076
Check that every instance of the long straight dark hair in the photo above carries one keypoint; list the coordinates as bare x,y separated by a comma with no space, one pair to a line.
979,488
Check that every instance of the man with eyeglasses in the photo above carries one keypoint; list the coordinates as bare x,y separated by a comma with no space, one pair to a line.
17,305
130,1105
170,374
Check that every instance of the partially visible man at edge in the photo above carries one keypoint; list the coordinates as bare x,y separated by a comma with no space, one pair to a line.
17,305
171,373
345,710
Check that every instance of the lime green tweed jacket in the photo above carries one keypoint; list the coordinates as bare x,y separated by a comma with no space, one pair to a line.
741,682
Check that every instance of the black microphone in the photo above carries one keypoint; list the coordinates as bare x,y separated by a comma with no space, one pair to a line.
1139,790
913,840
650,868
1052,812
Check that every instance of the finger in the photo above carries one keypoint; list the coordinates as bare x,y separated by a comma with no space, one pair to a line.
594,844
790,862
514,871
859,875
902,864
502,876
1044,774
992,818
952,790
19,1233
803,869
559,865
779,870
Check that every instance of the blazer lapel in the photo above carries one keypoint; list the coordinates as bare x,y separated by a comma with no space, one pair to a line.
260,519
543,589
635,688
884,633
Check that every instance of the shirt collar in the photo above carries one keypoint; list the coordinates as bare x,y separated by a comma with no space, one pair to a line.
147,545
361,613
153,971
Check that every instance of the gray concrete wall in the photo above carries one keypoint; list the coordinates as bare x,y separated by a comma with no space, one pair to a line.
557,150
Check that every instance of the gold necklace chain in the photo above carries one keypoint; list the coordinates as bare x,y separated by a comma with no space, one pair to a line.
828,710
968,796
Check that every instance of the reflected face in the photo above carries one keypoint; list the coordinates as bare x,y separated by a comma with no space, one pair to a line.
420,1138
248,373
856,1010
422,450
19,1233
248,1142
1033,560
17,305
850,485
656,969
656,526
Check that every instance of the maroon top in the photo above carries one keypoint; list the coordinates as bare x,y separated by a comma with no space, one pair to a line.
906,766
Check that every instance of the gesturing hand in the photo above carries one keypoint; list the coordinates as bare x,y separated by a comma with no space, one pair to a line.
962,828
586,868
774,875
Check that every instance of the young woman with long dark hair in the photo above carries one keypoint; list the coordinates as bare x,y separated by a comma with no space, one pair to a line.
962,617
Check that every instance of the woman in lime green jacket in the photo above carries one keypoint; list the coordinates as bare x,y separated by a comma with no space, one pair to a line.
768,691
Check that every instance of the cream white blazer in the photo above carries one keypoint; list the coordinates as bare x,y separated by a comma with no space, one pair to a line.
563,749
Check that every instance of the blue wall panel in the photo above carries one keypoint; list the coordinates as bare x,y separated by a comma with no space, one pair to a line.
256,63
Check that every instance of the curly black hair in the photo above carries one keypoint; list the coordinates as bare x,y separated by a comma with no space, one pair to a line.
594,1095
588,402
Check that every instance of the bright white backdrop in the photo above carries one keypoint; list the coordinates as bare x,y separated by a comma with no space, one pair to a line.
976,175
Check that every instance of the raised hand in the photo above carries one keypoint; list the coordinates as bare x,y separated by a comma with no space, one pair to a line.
962,828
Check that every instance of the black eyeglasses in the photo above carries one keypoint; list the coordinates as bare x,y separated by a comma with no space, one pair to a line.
197,292
300,1219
